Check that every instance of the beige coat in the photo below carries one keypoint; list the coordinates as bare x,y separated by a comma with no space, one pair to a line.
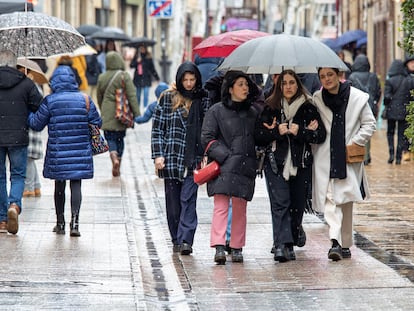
360,126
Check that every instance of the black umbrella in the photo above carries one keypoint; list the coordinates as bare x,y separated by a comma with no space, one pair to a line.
88,29
111,33
140,41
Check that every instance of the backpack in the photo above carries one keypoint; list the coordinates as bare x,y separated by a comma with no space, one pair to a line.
367,87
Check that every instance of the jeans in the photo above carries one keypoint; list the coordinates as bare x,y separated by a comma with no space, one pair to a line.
115,141
18,162
32,181
145,89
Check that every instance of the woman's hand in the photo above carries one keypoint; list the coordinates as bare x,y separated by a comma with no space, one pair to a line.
313,125
293,129
283,129
271,126
159,163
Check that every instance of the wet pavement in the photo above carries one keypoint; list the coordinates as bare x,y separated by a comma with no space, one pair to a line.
124,259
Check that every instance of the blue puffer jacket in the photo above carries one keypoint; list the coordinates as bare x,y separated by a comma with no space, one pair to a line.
68,153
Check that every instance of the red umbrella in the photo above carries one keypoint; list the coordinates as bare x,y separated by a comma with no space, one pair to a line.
223,44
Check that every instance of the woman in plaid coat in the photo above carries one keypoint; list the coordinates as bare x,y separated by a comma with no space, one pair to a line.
176,150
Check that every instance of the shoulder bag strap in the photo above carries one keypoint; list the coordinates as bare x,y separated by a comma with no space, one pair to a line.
111,81
209,145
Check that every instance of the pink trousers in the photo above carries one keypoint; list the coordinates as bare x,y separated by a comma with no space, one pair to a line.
219,222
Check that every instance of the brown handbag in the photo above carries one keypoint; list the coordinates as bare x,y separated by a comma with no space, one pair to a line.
207,171
355,153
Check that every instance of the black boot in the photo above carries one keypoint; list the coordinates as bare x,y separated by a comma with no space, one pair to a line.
220,256
74,225
60,221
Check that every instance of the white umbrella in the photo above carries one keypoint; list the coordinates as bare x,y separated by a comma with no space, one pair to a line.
37,35
275,53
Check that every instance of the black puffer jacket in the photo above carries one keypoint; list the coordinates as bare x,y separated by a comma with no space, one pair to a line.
397,91
233,126
18,96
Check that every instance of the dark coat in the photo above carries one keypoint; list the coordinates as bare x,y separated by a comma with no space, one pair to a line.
366,81
64,112
233,126
18,96
397,91
148,71
300,144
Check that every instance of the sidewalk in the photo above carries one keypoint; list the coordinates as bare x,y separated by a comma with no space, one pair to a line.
124,259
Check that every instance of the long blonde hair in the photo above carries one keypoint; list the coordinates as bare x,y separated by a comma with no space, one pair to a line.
178,100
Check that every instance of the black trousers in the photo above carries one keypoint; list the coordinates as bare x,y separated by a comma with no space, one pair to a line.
287,202
402,141
75,199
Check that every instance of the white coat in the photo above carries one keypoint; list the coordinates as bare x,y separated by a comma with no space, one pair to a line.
360,126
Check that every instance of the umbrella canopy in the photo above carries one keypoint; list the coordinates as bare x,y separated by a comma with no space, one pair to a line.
38,76
223,44
275,53
37,35
88,29
111,33
140,41
350,36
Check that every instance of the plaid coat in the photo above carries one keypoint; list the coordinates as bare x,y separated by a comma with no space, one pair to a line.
168,136
35,148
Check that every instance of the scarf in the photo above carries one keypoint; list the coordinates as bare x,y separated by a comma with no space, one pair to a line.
289,111
337,103
193,147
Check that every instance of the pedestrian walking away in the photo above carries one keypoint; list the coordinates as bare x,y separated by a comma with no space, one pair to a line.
229,128
176,150
18,96
68,152
115,78
336,183
368,82
290,124
396,99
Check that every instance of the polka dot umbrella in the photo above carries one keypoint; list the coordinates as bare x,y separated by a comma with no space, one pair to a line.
37,35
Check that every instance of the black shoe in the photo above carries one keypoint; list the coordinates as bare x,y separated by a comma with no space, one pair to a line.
236,255
291,253
390,159
186,249
281,254
228,248
301,237
273,249
74,226
176,248
59,228
398,161
335,253
220,256
346,253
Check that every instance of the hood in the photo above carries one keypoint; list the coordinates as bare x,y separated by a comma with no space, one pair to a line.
9,77
208,60
63,79
161,87
397,68
409,58
361,64
182,69
114,61
230,77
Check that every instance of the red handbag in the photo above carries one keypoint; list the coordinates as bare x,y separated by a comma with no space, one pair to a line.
206,171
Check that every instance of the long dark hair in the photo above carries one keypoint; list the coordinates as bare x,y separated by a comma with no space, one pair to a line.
274,101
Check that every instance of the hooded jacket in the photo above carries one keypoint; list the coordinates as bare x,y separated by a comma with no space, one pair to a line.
232,127
106,93
397,91
64,112
18,96
366,81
